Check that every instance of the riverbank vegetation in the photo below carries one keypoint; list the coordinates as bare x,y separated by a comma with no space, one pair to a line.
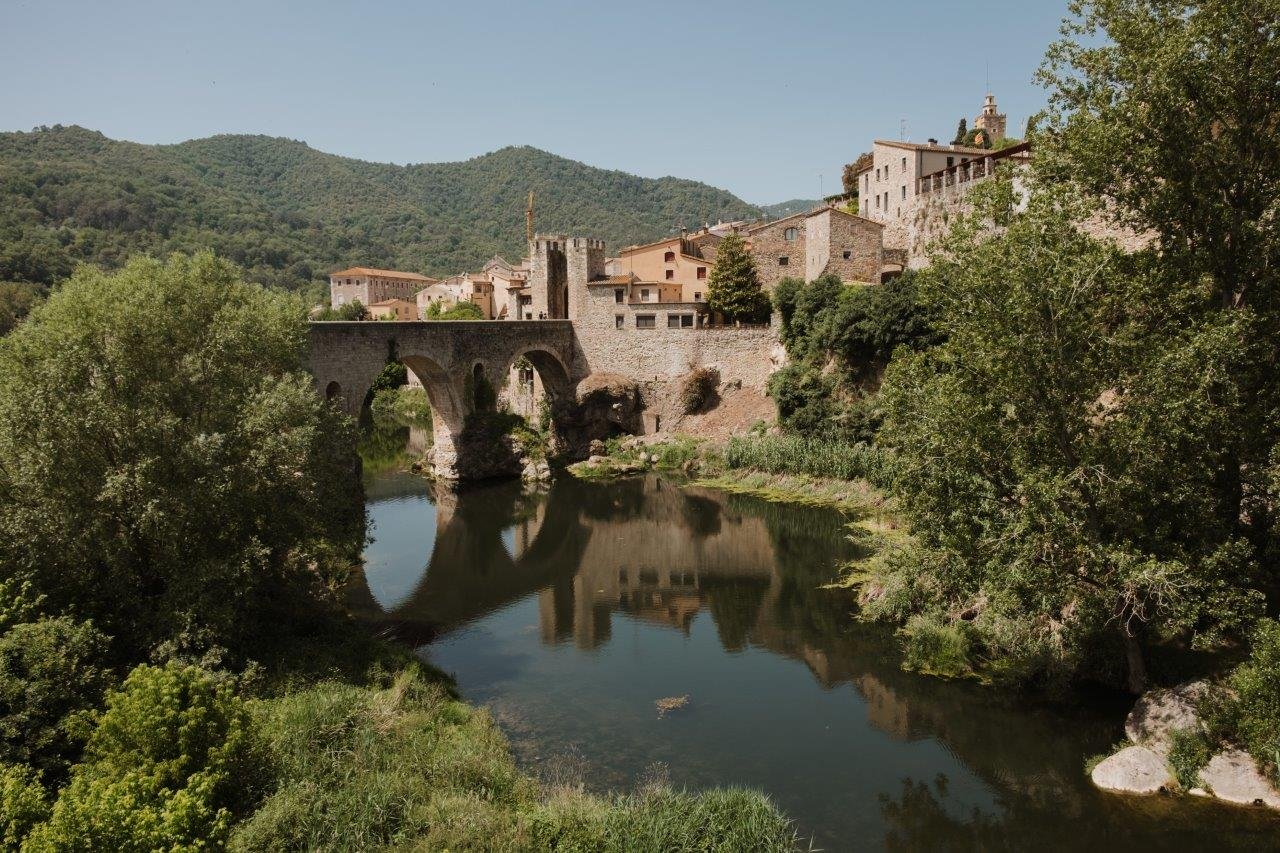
1082,437
180,510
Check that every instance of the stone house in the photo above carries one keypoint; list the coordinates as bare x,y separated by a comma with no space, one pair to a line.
368,285
393,309
824,240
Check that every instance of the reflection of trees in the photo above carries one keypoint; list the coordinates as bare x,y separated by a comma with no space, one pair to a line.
382,445
734,604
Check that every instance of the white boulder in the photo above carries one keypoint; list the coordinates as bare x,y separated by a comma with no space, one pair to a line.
1134,770
1161,712
1234,776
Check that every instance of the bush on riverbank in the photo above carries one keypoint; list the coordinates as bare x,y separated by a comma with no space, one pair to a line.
1250,713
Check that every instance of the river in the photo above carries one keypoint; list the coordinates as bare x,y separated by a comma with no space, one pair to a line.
570,612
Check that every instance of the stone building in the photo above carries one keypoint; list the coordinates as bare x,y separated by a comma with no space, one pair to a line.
808,245
393,309
368,285
991,121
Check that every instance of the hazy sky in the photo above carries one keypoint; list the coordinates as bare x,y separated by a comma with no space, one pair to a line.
757,97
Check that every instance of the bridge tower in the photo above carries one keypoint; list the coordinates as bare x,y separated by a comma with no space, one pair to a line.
559,269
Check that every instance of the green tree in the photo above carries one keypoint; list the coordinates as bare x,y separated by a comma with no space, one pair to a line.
1170,114
1069,497
458,311
52,678
733,288
962,132
165,462
174,759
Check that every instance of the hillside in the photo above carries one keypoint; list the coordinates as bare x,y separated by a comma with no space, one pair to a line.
289,214
786,208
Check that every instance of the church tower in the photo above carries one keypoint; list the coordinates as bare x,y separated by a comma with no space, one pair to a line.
992,121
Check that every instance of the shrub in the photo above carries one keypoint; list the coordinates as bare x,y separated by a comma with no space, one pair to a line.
172,762
1252,717
698,389
934,648
1189,752
52,677
23,804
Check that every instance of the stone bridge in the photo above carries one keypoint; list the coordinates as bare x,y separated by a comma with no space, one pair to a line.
448,357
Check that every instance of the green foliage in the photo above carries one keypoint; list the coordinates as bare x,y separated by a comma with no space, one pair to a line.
172,762
16,301
838,338
53,675
797,454
1251,714
353,310
935,648
1046,492
23,804
962,132
459,311
166,460
289,215
1189,752
698,389
733,288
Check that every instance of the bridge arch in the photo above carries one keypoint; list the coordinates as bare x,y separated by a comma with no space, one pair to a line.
346,357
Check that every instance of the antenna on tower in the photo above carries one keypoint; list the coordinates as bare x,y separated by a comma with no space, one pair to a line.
988,75
528,219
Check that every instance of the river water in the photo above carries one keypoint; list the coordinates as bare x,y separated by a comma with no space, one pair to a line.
570,613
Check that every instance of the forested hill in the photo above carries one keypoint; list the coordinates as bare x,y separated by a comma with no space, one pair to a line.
290,214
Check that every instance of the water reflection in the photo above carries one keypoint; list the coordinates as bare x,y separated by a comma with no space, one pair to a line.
569,612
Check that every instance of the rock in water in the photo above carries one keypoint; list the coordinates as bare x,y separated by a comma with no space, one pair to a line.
1134,770
1234,776
1161,712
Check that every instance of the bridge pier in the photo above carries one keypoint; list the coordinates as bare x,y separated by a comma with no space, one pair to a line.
346,357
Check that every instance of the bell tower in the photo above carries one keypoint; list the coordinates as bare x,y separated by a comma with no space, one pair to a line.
991,119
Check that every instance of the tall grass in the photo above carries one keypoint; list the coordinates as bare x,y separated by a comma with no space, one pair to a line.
793,454
410,767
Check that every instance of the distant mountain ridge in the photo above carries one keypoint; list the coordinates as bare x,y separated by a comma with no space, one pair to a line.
290,214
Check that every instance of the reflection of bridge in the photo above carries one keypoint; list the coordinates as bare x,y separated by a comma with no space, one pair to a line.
448,358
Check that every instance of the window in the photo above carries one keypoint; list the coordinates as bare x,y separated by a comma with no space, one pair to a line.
904,191
646,321
702,272
783,261
618,321
904,164
669,257
951,161
847,254
644,294
789,234
679,321
618,295
877,175
886,200
877,201
697,297
866,181
671,274
341,299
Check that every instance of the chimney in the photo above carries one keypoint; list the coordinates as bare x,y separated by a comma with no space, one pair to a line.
932,141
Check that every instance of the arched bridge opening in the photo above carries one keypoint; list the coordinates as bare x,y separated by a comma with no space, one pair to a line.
468,370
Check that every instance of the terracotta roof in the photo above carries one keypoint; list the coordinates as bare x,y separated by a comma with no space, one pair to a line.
382,273
629,278
386,302
928,146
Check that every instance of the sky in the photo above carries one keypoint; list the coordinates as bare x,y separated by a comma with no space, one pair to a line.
765,99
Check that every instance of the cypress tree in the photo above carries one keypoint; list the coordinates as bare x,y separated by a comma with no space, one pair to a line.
962,131
734,286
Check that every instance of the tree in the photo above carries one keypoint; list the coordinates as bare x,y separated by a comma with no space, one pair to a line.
1173,120
461,311
165,461
849,176
1068,501
733,288
962,132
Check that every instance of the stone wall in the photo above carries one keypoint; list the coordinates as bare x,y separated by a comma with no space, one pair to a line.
769,244
844,233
